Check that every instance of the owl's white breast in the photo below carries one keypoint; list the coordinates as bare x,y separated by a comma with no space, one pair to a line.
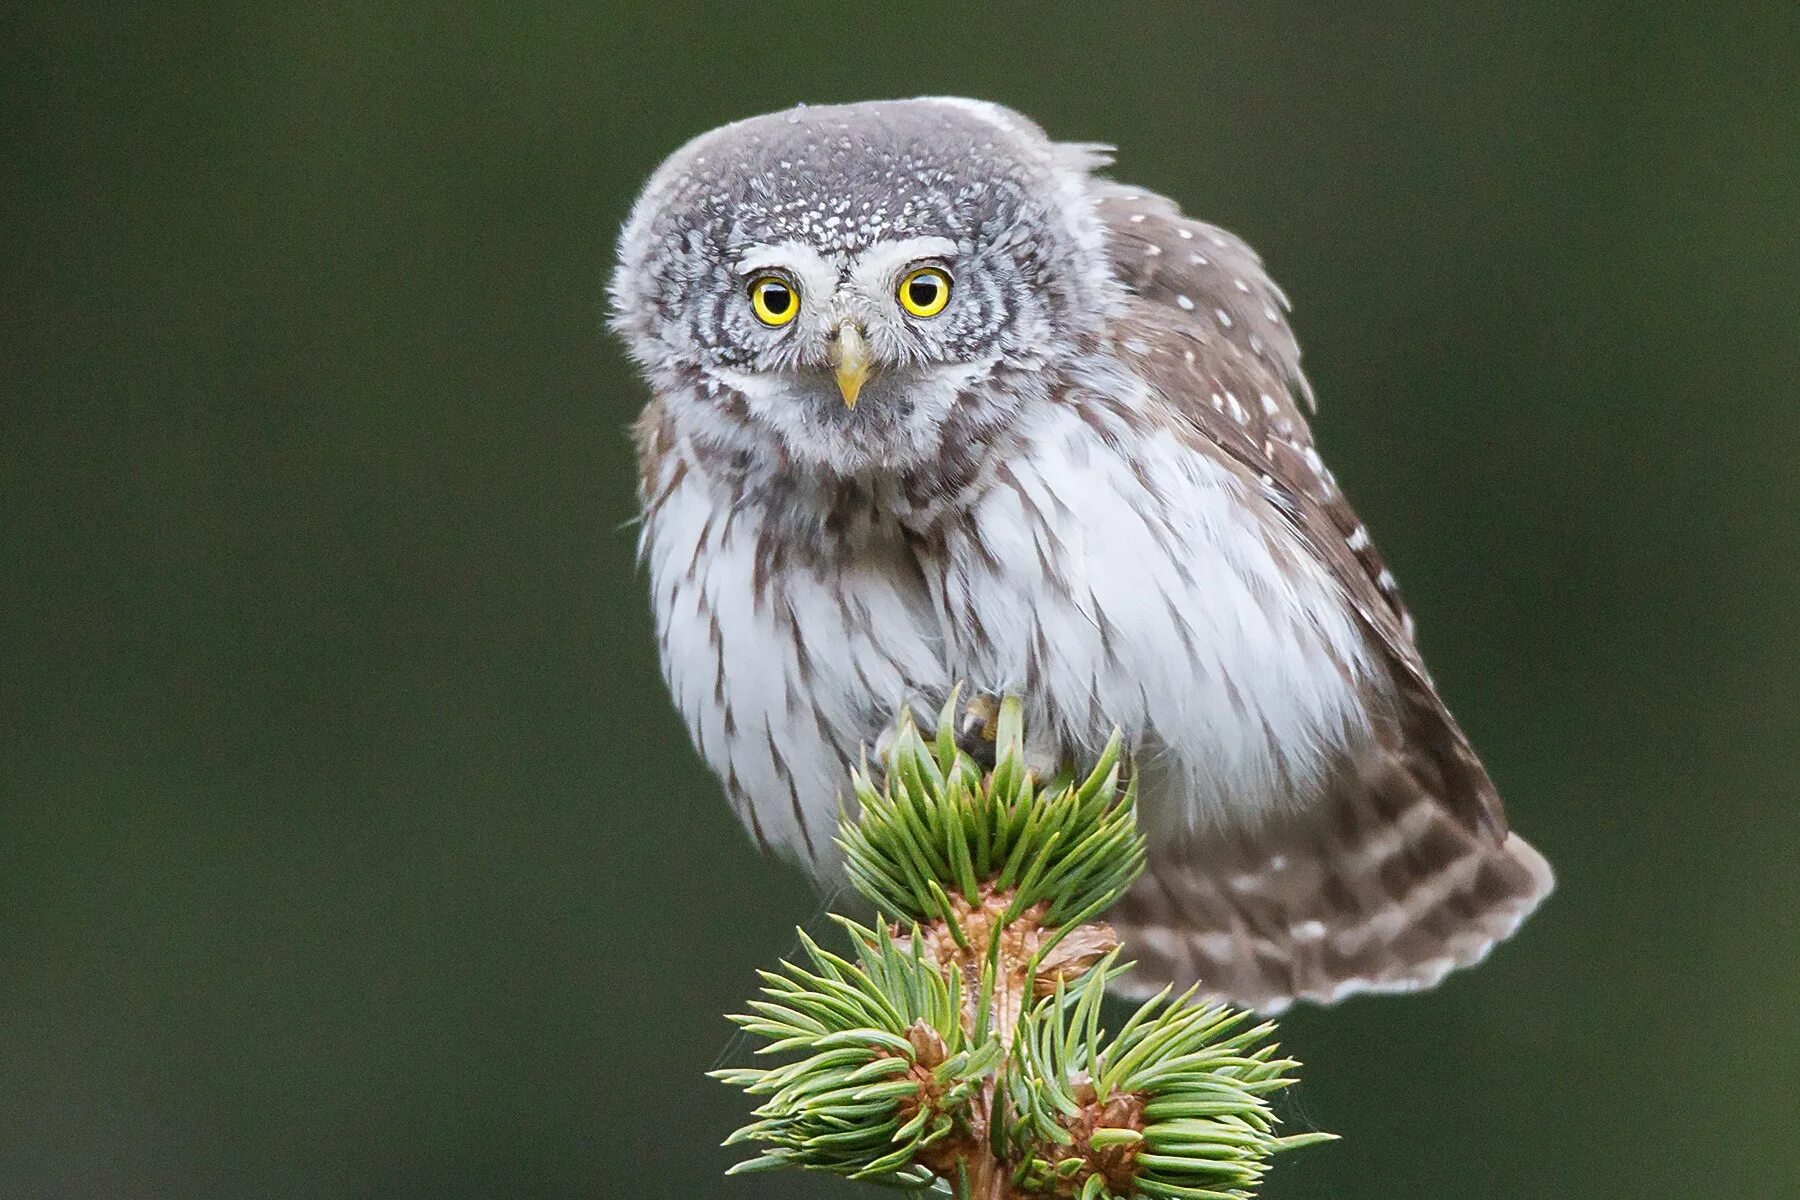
1110,570
784,662
1118,574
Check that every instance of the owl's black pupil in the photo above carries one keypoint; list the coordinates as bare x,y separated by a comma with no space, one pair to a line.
776,298
923,291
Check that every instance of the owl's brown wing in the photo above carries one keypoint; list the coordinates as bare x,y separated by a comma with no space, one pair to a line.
1405,869
1207,329
1231,364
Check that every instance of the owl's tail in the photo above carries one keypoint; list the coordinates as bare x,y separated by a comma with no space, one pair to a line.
1378,889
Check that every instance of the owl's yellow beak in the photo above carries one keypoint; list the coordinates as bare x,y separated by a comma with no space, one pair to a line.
850,360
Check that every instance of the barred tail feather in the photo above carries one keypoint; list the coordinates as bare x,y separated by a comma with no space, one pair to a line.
1379,889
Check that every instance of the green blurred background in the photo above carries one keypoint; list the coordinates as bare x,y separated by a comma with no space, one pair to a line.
350,847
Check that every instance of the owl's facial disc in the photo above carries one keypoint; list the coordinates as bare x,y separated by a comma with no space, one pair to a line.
862,289
845,318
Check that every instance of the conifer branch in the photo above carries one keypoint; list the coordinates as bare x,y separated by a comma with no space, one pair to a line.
959,1048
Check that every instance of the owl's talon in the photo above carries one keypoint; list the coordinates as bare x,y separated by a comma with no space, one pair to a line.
884,745
980,730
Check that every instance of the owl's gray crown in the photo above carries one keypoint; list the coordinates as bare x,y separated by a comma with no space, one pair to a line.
844,177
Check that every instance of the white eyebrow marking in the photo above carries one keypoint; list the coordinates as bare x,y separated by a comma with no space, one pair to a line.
927,247
794,256
906,250
880,263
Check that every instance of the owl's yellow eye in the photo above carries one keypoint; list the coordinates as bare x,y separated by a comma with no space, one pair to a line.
924,292
774,300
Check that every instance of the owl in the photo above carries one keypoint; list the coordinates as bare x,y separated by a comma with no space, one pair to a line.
937,403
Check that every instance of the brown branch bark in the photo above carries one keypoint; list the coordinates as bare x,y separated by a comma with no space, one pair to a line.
990,1176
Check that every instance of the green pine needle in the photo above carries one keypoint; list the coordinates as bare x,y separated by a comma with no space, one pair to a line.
883,1067
936,826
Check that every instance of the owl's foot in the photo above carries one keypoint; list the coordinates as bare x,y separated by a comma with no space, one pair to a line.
979,730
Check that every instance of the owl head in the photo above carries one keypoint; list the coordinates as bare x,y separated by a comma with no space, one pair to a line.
848,290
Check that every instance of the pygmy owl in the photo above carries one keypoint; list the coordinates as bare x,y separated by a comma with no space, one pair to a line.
934,403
